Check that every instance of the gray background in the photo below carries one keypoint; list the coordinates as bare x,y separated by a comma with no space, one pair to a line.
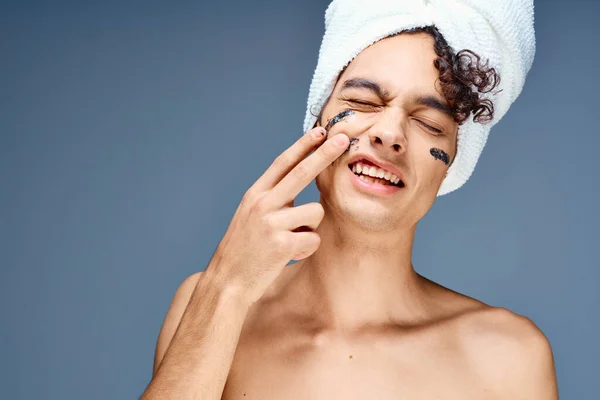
130,130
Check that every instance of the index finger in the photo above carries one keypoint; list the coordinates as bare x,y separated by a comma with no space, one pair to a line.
287,160
308,169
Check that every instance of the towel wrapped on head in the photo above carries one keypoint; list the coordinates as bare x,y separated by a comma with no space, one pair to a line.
501,32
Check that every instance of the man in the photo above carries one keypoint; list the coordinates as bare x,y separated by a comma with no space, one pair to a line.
352,319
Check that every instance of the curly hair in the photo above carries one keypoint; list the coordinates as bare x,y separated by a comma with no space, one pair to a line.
463,77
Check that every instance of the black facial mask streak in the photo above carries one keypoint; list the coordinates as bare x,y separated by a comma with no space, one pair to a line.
331,122
352,141
440,154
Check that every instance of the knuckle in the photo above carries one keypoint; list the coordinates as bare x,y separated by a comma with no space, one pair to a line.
315,212
282,160
316,238
300,171
268,225
248,197
330,150
319,210
257,206
314,242
280,244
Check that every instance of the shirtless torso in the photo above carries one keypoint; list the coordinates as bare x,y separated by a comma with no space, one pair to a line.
464,350
352,319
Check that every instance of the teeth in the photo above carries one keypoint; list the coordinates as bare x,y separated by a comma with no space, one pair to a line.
371,179
374,172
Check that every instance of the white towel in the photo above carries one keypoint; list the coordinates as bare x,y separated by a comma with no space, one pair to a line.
500,31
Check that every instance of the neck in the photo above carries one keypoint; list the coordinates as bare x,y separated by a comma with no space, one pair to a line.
361,276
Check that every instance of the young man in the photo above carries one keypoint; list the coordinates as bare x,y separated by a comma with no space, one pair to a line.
352,319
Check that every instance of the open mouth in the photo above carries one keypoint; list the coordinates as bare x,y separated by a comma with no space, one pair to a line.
372,173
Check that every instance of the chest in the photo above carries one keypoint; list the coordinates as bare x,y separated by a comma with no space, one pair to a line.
293,366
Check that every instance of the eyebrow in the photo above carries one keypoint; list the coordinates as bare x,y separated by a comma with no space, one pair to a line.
362,83
435,103
424,100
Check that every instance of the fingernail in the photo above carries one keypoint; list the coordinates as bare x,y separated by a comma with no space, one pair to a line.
318,133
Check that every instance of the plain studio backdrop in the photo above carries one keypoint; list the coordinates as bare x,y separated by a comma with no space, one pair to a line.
130,131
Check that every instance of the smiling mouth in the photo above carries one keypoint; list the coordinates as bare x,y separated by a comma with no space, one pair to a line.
371,173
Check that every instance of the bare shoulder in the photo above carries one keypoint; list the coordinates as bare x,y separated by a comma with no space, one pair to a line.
509,353
171,322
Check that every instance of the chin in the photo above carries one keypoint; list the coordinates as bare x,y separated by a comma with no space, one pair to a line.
363,212
373,220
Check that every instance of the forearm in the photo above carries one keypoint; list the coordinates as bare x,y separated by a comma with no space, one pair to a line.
198,360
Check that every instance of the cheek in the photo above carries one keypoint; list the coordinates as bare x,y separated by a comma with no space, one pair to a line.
440,154
340,118
430,169
330,178
323,180
346,115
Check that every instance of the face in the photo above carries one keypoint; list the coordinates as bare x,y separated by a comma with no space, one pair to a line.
400,119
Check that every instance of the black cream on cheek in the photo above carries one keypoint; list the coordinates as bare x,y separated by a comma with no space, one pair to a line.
337,118
440,154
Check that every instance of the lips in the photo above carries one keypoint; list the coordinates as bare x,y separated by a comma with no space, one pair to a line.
367,184
385,170
375,174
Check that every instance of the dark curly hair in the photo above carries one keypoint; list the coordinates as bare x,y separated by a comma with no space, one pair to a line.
463,77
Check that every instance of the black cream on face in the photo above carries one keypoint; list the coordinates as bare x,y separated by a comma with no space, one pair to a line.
346,114
440,154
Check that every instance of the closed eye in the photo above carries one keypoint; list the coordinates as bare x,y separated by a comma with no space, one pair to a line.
362,103
436,131
429,127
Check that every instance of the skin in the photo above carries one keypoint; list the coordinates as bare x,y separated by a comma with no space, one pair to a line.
354,320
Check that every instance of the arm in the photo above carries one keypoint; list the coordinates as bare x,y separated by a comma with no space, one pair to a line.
197,341
194,353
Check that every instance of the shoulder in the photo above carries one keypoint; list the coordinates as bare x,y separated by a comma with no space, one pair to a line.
171,322
509,353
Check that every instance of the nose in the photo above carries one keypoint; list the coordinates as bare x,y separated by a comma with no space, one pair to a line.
390,135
